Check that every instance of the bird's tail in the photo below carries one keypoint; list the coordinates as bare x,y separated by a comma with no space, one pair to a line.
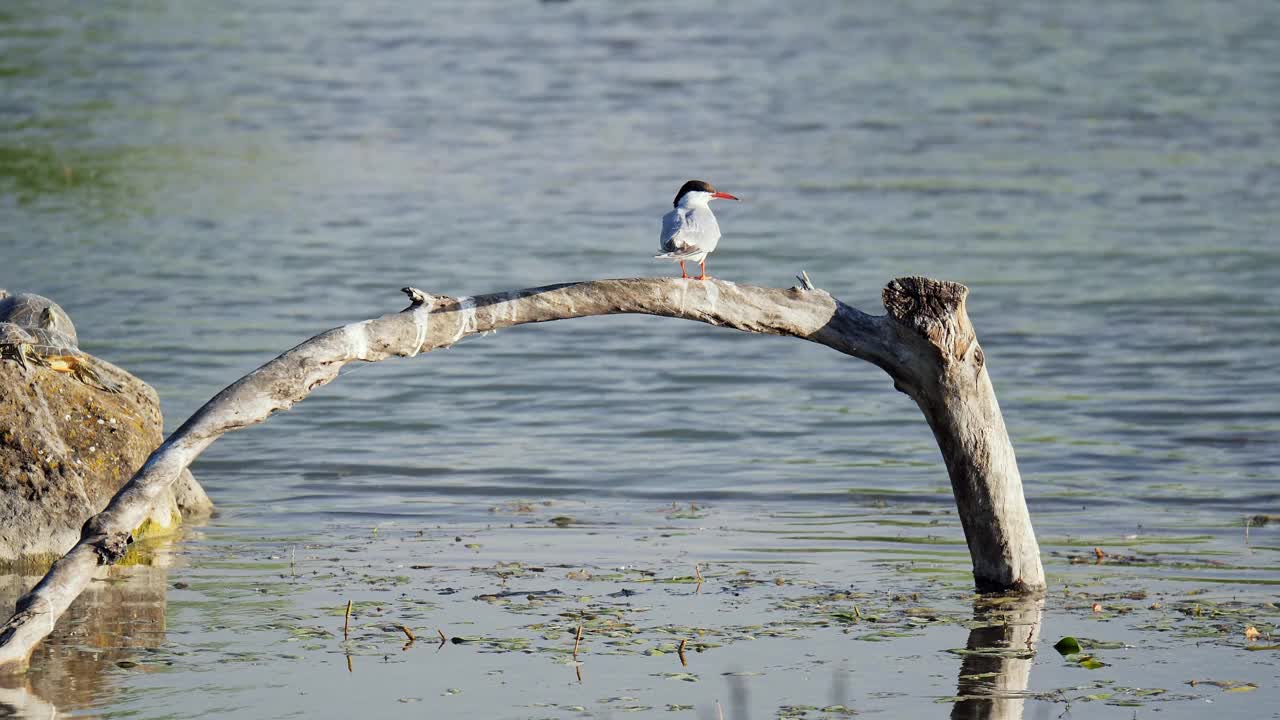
679,254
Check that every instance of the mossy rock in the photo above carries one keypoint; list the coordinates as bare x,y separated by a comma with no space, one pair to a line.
66,447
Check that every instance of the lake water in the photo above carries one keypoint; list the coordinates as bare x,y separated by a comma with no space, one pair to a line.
205,185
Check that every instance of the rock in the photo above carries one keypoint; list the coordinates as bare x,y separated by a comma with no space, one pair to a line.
65,449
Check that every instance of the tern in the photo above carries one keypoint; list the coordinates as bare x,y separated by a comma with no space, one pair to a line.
690,232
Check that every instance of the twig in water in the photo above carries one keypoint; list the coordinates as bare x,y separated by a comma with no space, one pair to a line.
408,633
578,669
680,652
576,641
346,623
443,639
349,663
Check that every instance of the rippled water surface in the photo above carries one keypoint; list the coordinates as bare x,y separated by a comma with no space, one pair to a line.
205,185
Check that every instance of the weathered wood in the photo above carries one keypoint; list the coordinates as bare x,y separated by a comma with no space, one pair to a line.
948,379
926,344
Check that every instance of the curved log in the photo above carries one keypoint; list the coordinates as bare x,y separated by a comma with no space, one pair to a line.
925,342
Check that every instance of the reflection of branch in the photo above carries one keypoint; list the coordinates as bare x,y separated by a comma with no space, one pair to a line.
925,342
110,622
995,672
19,702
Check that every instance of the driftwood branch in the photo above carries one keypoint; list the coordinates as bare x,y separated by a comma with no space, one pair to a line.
925,343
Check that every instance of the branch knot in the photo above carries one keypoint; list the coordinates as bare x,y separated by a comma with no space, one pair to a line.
934,309
112,547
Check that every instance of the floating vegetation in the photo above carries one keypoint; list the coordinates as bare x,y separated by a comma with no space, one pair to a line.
666,628
692,512
682,676
808,711
1226,685
1067,646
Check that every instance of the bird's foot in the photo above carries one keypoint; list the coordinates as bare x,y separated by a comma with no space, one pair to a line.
704,276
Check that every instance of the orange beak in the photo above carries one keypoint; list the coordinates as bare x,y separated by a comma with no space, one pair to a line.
723,196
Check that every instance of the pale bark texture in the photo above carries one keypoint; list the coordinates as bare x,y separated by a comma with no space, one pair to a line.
925,343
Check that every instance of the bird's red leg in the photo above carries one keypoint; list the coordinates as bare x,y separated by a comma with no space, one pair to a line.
683,274
703,265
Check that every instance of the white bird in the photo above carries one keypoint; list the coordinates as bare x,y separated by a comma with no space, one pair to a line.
690,232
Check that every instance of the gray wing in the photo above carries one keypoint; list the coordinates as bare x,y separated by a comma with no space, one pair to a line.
672,223
689,232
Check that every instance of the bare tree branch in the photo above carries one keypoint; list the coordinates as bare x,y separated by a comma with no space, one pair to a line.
926,344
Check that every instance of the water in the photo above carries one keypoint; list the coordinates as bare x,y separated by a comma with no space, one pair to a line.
202,188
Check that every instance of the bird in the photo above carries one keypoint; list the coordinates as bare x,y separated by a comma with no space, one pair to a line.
690,231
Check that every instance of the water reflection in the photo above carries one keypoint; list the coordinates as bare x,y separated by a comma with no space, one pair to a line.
18,701
80,665
996,665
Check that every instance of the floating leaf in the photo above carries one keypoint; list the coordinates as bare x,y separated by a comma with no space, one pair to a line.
1090,662
1091,644
1067,646
1227,685
686,677
1001,652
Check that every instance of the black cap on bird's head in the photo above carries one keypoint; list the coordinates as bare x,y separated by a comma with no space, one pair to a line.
700,186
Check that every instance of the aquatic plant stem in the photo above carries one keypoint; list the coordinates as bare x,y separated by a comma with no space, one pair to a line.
925,343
